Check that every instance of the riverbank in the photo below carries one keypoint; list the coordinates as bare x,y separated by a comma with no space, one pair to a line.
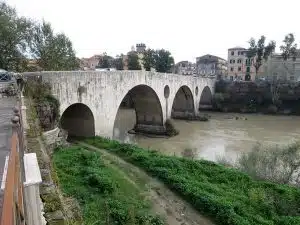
104,192
224,194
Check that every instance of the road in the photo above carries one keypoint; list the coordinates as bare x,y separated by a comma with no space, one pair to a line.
6,113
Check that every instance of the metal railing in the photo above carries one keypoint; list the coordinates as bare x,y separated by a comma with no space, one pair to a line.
13,211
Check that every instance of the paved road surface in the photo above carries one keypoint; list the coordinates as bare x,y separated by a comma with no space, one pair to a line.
6,113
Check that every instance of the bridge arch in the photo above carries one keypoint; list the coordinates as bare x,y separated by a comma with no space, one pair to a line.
183,103
78,120
148,111
206,98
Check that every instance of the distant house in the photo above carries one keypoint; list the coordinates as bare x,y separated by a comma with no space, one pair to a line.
210,65
184,68
276,68
90,63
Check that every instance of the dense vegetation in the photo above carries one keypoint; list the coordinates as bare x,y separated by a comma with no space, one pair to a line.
105,196
228,196
22,39
46,105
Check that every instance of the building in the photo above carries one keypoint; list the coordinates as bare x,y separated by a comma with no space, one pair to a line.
140,48
276,68
90,63
240,67
212,66
184,68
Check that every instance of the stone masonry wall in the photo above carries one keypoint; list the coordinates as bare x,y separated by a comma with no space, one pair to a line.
103,92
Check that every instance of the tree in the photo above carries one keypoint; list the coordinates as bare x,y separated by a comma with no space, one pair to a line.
105,62
52,51
15,34
133,61
118,62
163,61
289,49
149,59
259,52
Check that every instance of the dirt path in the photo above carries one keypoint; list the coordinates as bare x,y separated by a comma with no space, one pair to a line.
164,202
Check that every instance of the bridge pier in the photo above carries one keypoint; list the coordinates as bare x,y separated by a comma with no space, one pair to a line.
150,129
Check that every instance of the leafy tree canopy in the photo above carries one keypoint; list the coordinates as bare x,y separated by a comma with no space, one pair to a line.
289,48
259,52
133,61
22,39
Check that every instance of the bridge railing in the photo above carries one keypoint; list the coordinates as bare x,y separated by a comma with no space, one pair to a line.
13,212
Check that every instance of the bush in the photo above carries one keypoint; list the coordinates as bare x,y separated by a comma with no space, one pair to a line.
279,164
227,195
170,128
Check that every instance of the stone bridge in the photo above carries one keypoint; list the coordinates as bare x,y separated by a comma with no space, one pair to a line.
89,101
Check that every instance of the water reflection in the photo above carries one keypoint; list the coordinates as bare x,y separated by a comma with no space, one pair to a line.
223,135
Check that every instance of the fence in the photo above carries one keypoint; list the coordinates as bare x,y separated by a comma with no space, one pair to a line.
13,212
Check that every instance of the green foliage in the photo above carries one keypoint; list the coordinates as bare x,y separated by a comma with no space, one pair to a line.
133,61
149,59
40,93
118,62
21,38
161,60
52,51
279,164
105,62
228,196
170,128
15,34
259,52
164,61
105,196
289,49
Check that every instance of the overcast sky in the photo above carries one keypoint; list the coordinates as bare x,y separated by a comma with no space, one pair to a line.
187,28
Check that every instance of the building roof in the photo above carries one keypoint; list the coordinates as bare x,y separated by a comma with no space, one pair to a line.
237,48
209,56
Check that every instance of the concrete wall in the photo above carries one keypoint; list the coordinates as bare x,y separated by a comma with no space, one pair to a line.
103,92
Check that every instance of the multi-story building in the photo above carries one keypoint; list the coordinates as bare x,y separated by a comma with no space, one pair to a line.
210,65
240,67
276,68
90,63
184,68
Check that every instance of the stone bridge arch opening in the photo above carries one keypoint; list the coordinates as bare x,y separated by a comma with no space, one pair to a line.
139,112
183,104
78,121
206,99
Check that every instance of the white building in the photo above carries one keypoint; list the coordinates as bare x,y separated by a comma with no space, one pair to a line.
239,65
210,65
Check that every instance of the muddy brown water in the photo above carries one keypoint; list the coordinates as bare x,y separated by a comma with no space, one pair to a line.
222,136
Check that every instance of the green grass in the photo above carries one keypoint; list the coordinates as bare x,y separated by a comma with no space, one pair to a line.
226,195
103,193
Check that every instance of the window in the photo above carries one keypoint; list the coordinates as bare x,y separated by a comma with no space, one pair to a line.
239,52
239,61
233,61
230,61
231,69
292,78
239,68
232,52
242,53
248,69
231,77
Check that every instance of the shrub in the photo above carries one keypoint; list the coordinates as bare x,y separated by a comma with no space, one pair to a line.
279,164
170,128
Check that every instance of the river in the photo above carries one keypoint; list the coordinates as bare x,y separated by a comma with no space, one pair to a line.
223,136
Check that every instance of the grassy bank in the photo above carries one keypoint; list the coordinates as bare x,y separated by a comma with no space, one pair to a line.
105,196
224,194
